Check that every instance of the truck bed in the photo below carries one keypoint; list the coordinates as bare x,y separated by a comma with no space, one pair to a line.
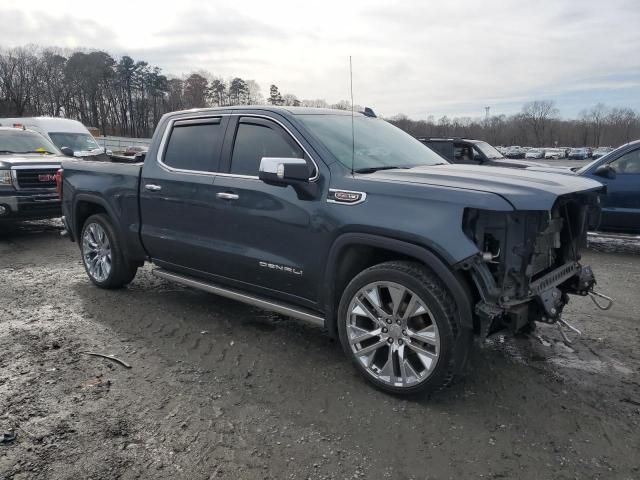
114,186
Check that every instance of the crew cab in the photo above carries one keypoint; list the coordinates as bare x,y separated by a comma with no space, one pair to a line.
28,165
474,152
342,220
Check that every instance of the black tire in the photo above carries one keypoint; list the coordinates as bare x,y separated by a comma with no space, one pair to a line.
455,342
122,271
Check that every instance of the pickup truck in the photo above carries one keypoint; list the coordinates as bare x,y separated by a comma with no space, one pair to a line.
341,220
28,165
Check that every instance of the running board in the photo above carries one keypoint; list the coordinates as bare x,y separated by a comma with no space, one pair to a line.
259,302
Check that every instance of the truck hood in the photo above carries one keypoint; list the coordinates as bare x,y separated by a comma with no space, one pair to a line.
14,160
522,188
512,162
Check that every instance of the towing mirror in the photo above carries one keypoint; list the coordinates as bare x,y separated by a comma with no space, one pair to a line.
283,171
67,151
605,171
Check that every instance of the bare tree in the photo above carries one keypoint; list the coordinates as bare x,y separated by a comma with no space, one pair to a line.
538,114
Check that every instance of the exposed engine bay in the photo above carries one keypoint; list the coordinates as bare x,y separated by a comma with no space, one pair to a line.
529,262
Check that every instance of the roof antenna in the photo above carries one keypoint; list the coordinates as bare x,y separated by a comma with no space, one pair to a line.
353,136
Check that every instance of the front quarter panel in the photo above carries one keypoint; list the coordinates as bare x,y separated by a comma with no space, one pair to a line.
430,216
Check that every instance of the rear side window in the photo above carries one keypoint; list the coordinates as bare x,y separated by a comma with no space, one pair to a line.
257,138
445,149
195,145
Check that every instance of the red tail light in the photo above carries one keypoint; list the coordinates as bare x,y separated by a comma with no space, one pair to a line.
59,177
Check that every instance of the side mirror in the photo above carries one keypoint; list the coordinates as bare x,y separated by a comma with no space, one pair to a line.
605,171
67,151
283,171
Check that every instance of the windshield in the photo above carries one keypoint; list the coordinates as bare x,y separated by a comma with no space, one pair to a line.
78,142
21,141
378,144
488,150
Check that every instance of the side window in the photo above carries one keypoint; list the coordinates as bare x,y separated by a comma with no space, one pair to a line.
628,164
195,145
260,138
463,153
445,149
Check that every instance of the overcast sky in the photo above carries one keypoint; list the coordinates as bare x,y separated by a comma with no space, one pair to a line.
415,57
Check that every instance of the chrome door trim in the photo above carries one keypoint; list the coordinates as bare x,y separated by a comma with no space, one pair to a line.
167,131
241,297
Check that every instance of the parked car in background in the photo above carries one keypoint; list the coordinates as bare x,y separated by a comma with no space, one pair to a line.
601,151
28,165
134,150
70,136
474,152
582,153
535,153
555,153
515,152
316,233
619,170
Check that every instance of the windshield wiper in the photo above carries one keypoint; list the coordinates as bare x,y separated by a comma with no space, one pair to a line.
376,169
7,151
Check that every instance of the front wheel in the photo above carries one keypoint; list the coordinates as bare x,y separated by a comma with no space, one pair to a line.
397,322
102,254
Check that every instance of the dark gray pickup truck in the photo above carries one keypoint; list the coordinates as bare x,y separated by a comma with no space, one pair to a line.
356,227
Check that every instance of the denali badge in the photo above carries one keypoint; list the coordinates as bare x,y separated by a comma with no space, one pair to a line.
281,268
45,177
346,197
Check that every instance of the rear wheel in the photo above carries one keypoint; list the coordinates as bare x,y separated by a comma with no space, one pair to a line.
397,323
102,254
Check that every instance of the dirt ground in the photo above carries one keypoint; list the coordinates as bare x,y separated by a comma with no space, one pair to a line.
217,389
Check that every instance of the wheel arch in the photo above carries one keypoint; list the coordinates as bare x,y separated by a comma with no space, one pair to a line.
85,205
353,252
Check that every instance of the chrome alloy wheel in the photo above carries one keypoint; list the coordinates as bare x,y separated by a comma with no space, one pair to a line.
393,334
96,252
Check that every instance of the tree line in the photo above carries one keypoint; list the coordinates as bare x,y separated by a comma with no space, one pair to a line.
119,96
538,124
123,96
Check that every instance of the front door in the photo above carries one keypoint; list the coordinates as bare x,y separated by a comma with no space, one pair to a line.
621,204
270,239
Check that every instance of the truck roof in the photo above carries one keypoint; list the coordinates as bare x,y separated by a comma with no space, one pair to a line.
49,124
272,108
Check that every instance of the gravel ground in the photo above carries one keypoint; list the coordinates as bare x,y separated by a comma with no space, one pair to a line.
217,389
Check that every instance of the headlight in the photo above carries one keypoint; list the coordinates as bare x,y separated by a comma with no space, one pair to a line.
5,177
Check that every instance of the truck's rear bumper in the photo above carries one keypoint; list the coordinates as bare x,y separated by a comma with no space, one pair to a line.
29,206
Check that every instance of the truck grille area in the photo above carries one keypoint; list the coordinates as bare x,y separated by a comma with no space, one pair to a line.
518,248
37,178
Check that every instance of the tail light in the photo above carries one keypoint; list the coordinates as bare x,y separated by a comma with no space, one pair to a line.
59,177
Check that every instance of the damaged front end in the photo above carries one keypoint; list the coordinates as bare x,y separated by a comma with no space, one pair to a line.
528,262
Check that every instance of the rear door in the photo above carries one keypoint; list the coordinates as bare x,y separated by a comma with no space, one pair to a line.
621,205
179,211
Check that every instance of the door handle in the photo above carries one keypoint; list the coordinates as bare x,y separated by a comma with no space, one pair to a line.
227,196
152,188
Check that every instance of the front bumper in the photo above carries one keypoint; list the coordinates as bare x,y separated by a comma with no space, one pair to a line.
29,205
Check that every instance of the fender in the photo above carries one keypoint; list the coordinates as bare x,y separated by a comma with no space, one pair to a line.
412,250
130,251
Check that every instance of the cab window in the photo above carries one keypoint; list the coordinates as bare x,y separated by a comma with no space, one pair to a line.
627,164
195,145
257,138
